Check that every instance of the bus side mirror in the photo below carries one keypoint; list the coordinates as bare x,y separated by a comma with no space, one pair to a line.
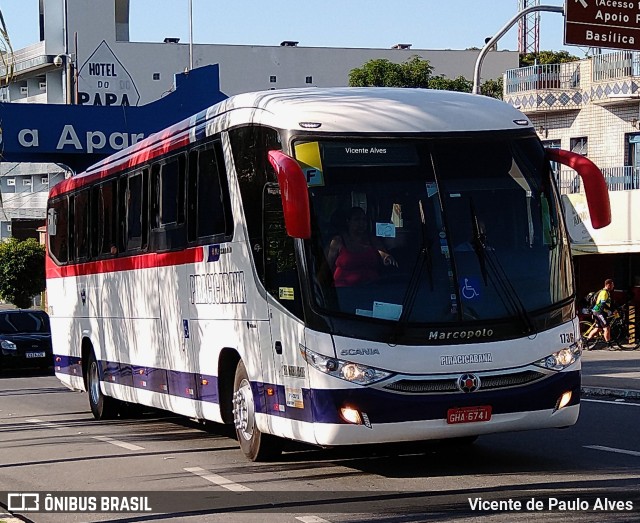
295,194
595,186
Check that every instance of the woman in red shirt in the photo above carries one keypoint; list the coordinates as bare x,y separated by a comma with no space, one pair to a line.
355,256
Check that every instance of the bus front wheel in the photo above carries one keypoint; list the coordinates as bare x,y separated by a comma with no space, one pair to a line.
254,444
102,407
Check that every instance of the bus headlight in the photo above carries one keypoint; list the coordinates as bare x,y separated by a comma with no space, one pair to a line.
562,359
346,370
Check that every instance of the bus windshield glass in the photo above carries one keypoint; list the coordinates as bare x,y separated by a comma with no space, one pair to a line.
434,230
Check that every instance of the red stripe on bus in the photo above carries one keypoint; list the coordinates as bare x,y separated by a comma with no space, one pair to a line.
126,263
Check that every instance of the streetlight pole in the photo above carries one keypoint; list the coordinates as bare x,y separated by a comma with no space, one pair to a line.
501,33
190,35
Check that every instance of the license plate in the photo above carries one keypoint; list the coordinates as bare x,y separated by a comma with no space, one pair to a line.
469,414
34,354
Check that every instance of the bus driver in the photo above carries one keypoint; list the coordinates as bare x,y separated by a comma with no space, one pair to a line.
354,256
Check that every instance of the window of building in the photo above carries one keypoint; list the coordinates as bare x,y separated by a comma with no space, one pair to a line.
579,145
9,228
26,182
11,181
309,79
634,150
634,161
156,76
272,79
44,180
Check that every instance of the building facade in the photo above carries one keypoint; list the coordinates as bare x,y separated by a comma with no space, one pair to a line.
592,106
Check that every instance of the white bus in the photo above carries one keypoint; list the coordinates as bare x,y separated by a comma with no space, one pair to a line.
213,270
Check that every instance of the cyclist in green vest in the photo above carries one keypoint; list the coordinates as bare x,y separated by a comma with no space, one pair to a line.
602,313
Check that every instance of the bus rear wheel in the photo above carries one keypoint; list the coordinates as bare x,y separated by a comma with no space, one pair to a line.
255,445
102,407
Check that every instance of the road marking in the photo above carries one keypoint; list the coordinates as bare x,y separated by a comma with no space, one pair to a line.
45,424
218,480
611,449
632,375
613,402
123,444
312,519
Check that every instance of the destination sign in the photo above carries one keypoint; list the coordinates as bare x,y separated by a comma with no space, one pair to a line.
613,24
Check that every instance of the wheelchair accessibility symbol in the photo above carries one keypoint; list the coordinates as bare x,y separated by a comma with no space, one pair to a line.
468,290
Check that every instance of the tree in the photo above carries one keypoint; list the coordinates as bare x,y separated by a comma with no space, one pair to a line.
21,271
378,73
546,58
460,84
493,88
416,72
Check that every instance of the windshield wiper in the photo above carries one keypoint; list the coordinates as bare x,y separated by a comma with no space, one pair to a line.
496,274
478,242
424,258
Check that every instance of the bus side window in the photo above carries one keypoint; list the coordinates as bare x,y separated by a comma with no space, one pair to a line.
121,236
58,229
81,225
250,146
281,272
136,222
107,218
167,204
209,207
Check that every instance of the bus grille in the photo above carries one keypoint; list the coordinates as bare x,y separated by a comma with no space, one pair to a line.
487,382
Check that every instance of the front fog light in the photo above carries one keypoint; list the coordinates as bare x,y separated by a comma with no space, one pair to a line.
564,400
351,415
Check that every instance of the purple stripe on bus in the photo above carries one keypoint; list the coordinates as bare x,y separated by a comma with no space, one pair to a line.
323,405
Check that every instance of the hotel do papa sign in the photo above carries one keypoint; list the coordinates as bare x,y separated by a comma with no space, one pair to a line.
612,24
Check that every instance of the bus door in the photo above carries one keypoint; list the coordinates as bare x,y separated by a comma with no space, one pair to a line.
285,311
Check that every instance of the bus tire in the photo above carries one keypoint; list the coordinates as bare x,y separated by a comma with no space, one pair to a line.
102,407
255,445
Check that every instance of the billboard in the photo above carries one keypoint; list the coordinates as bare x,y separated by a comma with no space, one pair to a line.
81,135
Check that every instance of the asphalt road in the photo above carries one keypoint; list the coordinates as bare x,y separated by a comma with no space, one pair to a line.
50,443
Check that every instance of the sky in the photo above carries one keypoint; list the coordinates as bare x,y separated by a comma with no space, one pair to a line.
426,24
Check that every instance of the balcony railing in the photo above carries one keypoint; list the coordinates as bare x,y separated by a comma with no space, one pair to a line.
553,76
617,178
27,58
611,66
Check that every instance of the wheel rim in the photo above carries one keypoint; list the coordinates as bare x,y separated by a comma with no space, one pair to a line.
94,383
244,410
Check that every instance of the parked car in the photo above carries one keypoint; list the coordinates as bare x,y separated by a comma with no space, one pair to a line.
25,338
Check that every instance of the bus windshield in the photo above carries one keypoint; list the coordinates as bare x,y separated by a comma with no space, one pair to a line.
434,230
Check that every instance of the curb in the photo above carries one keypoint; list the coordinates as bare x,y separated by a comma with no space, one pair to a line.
611,393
